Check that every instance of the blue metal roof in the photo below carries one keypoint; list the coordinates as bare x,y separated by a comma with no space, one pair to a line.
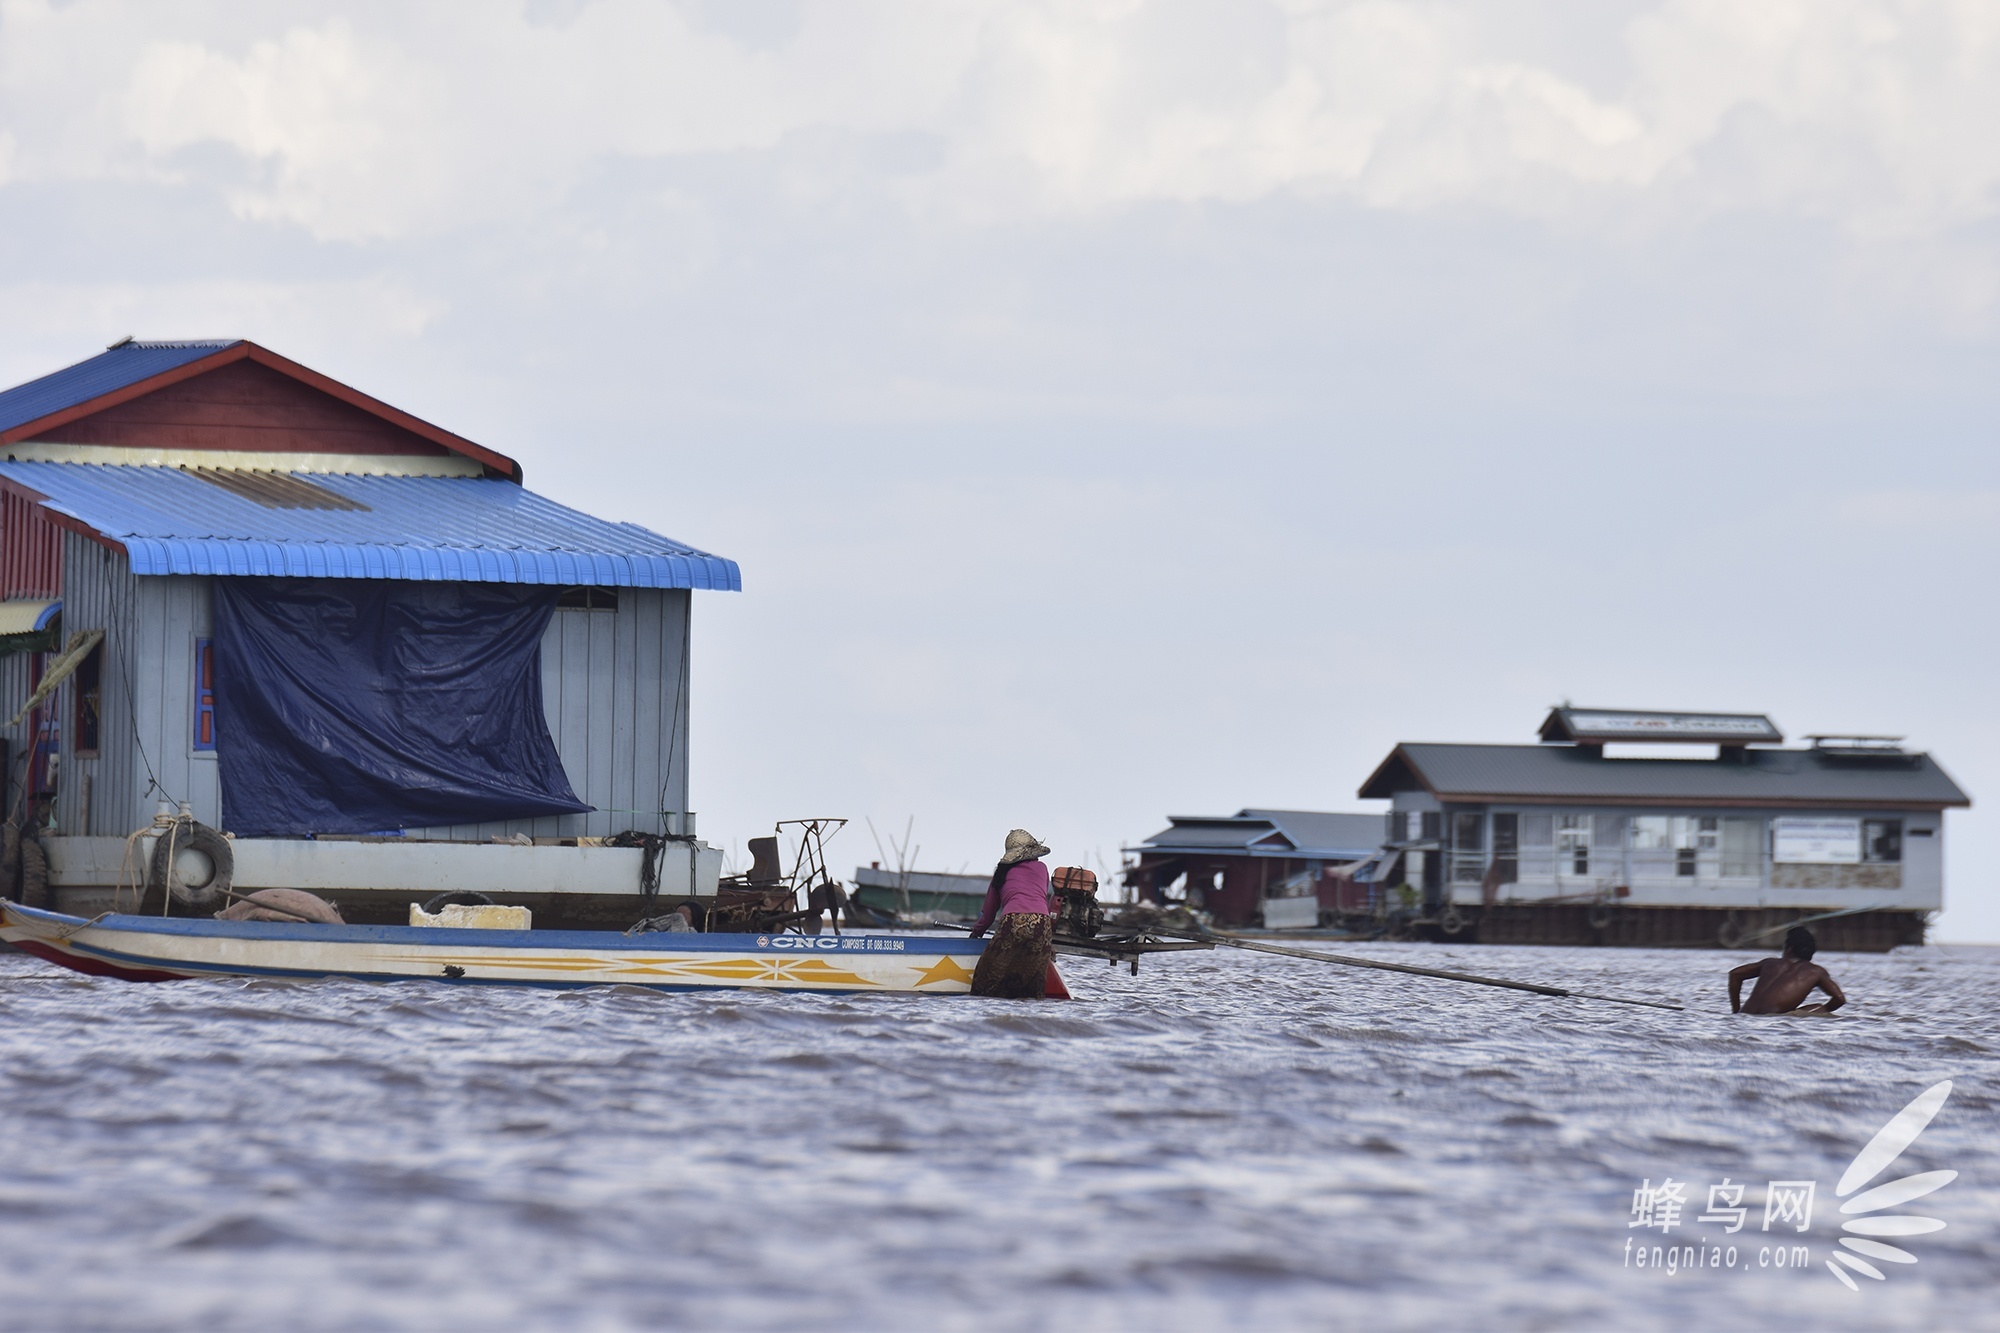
107,372
1311,835
469,529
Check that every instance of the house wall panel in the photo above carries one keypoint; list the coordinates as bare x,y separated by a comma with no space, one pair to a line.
243,405
1916,884
613,694
31,550
146,752
1923,860
97,594
14,691
172,614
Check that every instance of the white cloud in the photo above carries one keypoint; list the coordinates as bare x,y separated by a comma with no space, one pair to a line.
368,122
379,131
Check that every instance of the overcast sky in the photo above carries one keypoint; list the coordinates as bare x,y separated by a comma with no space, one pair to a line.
1123,409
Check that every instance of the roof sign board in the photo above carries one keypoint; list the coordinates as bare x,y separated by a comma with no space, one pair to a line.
1816,841
1593,726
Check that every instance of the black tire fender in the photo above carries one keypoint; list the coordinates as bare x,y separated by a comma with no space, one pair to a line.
34,875
455,898
201,838
10,860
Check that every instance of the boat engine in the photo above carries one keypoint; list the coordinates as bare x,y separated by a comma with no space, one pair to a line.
1077,912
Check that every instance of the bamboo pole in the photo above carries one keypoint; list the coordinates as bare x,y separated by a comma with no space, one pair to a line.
1807,920
1346,960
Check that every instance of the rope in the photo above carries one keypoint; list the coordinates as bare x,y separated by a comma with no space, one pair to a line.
120,597
169,826
674,729
161,821
649,866
64,932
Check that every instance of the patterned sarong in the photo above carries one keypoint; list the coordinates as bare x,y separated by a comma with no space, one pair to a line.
1015,965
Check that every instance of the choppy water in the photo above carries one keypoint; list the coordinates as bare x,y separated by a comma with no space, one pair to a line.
1226,1140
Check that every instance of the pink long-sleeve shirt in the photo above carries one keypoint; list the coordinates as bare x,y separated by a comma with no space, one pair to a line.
1026,889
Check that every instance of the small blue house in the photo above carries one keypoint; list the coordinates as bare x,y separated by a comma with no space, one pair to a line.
349,638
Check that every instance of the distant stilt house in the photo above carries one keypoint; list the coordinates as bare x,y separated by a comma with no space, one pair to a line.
346,636
1272,868
1575,841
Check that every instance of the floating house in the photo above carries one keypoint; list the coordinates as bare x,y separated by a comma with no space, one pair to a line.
1273,868
350,639
1572,841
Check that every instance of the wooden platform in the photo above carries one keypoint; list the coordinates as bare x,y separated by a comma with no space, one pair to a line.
1683,927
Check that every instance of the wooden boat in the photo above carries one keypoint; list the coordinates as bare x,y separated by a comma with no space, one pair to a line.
156,948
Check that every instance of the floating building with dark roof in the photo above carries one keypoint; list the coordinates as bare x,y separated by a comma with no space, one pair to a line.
1583,839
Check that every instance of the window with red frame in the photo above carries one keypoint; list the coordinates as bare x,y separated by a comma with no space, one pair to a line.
87,689
204,694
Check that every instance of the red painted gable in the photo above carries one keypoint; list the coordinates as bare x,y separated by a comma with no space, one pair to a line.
246,398
246,406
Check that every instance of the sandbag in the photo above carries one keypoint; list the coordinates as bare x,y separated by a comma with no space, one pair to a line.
295,906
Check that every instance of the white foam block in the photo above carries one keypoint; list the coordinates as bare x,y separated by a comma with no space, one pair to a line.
485,916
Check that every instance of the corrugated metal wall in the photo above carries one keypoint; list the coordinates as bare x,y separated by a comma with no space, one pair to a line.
30,550
86,598
147,693
14,691
614,686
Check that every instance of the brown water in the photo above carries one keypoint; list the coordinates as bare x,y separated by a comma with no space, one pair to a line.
1226,1140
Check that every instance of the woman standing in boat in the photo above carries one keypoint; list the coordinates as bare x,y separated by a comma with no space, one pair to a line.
1015,966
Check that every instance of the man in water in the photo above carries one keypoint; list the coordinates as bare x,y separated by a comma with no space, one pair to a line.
1784,983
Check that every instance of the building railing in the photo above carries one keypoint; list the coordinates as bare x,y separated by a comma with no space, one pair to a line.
1596,852
1542,865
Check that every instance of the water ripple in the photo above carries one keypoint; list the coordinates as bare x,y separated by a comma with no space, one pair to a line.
1223,1141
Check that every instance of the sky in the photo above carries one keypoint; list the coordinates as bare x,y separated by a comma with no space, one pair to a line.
1131,408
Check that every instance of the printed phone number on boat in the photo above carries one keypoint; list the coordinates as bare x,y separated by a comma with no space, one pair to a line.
848,943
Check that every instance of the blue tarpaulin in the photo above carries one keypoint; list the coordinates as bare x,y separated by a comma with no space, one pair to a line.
363,705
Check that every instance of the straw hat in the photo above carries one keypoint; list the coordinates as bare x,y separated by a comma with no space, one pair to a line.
1021,846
